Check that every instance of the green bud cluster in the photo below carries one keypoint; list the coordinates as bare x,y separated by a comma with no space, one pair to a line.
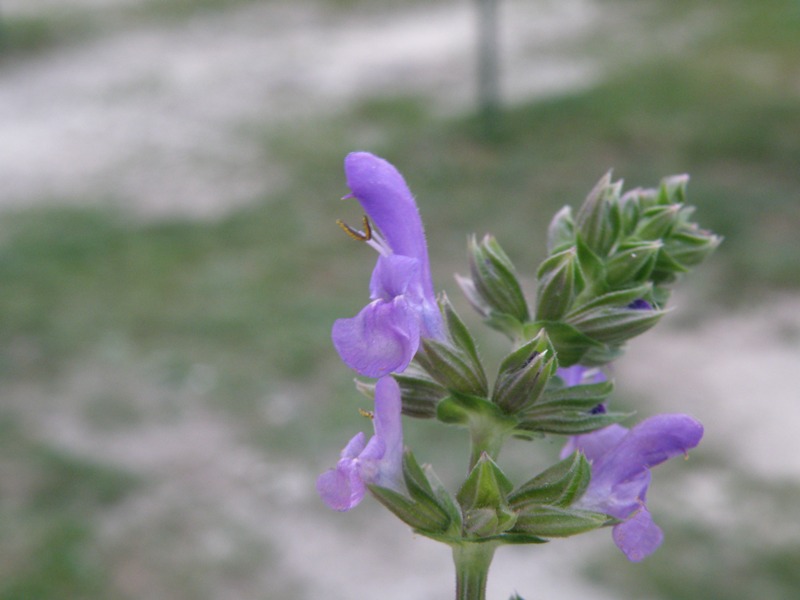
607,275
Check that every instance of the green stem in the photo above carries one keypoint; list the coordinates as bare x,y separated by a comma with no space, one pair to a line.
472,562
485,436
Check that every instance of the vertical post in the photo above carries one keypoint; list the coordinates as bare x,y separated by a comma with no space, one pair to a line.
488,65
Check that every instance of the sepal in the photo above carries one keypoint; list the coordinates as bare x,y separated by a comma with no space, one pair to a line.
454,364
422,518
420,393
553,521
559,485
428,508
568,422
483,499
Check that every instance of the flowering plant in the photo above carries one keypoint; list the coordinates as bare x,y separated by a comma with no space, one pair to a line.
606,278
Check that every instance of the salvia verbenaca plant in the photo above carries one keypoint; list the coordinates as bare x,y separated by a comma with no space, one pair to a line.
606,278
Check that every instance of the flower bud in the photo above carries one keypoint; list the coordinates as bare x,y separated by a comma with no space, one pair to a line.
558,279
483,499
494,281
599,221
551,521
561,231
657,222
524,375
559,485
615,325
691,246
632,263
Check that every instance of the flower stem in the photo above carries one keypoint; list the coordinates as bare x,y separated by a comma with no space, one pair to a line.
485,436
472,560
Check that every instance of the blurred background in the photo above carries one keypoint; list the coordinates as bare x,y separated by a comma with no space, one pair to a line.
170,268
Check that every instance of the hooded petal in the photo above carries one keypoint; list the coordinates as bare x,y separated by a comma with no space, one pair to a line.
638,537
385,197
648,444
381,339
596,444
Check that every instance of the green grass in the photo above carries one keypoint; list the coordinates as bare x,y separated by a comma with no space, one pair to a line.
50,501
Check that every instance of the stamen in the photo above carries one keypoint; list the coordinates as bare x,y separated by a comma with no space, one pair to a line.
357,235
366,413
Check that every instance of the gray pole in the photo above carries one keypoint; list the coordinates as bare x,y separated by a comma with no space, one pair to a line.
488,64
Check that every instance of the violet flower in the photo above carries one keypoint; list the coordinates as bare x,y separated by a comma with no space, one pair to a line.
385,335
580,375
621,460
378,461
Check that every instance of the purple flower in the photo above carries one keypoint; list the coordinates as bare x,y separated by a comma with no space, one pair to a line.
621,460
385,335
378,461
580,375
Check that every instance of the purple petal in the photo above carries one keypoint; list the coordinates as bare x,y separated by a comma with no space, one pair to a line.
355,446
639,536
389,429
648,444
381,339
392,276
385,197
580,375
341,488
596,444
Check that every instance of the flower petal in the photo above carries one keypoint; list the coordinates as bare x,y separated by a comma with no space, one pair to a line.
382,338
392,276
382,192
341,488
638,537
648,444
596,444
389,428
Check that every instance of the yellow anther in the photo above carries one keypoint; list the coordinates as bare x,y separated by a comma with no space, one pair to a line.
366,413
357,235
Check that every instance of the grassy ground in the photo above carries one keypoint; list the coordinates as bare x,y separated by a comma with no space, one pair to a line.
251,297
